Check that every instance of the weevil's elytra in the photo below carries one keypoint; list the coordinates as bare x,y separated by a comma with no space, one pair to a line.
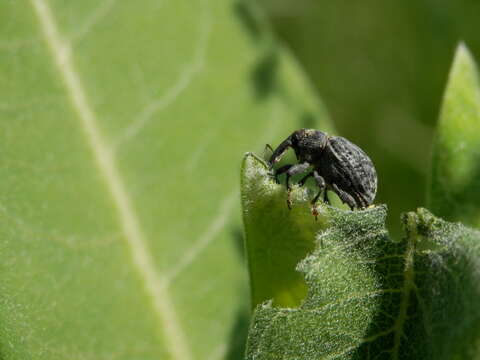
334,162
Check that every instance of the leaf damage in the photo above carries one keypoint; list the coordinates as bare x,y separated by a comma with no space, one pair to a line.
372,297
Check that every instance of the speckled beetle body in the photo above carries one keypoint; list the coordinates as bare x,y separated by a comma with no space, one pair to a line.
334,162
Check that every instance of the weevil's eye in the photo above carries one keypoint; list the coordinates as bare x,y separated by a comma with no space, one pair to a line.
298,136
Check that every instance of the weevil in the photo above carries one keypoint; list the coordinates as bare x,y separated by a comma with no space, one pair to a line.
335,163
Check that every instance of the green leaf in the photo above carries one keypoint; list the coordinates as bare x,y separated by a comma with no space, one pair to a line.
276,238
122,125
369,297
454,191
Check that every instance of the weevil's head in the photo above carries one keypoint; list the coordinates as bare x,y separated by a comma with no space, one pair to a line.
308,143
308,138
302,135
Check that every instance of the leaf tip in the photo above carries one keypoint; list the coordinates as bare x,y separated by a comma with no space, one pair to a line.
254,168
460,76
251,158
463,61
463,50
453,176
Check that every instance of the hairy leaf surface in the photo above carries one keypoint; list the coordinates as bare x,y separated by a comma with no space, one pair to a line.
369,296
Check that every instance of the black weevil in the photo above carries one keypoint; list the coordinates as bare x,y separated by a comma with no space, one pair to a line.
334,162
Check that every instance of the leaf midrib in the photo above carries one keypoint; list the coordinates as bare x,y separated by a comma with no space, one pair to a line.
408,286
62,54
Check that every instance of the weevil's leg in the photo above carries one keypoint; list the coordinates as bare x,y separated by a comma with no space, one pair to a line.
291,170
326,200
268,147
282,170
361,202
304,179
321,185
294,170
345,197
280,150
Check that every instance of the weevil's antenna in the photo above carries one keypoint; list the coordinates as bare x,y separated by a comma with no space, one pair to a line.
265,151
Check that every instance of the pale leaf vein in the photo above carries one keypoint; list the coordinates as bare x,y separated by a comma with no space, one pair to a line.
190,71
105,161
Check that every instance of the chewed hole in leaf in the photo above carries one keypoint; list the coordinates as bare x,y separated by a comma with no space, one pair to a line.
278,238
342,288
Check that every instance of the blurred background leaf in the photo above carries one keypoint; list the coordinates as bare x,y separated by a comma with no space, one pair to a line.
381,68
123,126
455,180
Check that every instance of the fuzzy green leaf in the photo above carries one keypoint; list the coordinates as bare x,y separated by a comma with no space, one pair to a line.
454,191
121,125
276,238
369,297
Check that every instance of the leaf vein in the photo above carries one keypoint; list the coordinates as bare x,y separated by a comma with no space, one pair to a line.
154,284
185,78
93,20
408,286
203,241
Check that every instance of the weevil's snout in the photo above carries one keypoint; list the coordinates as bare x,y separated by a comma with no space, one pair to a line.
270,163
280,150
